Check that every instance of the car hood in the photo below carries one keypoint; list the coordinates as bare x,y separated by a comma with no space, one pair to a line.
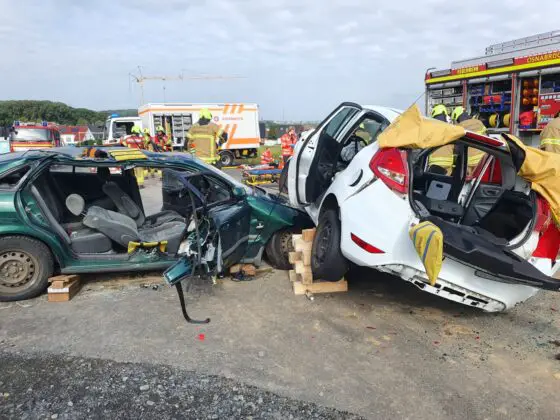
413,131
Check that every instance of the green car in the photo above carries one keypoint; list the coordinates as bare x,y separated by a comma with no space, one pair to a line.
80,210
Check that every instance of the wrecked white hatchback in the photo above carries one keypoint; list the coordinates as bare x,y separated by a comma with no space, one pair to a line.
497,237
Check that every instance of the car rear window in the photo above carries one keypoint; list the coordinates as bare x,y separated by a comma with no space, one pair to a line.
11,179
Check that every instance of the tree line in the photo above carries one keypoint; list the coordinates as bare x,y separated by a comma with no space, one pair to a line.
58,112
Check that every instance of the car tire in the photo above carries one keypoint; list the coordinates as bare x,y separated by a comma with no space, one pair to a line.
25,267
278,249
327,261
227,158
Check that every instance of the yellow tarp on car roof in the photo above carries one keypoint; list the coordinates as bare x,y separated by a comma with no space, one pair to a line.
542,170
413,131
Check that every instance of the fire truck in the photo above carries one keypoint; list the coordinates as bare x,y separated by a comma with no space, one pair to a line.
514,87
29,135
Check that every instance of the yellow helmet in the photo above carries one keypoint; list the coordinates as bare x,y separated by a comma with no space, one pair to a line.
439,109
457,112
206,114
135,130
160,128
146,130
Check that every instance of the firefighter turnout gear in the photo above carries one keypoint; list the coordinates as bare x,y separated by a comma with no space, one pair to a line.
457,112
136,141
287,142
474,155
439,110
550,136
204,137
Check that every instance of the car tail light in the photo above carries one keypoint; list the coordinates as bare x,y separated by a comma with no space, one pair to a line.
544,216
364,245
390,166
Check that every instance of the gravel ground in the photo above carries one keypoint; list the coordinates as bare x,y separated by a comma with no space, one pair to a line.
67,387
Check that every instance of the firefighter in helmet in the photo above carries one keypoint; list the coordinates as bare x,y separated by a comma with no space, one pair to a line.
550,136
203,138
442,159
462,118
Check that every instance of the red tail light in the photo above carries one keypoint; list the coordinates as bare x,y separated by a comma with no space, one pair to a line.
390,166
544,216
364,245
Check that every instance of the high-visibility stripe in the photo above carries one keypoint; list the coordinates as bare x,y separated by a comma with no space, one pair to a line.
45,145
507,69
551,142
240,109
447,161
197,136
233,130
246,141
226,109
233,108
174,110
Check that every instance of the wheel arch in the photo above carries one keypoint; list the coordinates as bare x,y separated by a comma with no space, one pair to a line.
57,259
330,202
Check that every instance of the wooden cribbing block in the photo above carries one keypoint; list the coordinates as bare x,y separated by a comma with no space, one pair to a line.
308,235
301,246
304,272
249,269
320,287
293,276
295,256
65,293
306,257
59,282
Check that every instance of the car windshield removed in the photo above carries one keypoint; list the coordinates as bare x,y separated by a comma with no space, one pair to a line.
31,134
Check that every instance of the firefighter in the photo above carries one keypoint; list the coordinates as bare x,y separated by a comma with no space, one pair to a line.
439,112
441,160
550,136
135,141
203,138
266,157
162,140
461,117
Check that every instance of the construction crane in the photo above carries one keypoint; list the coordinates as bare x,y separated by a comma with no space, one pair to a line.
140,79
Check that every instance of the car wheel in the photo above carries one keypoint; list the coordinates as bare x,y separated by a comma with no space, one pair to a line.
327,261
279,247
226,158
25,267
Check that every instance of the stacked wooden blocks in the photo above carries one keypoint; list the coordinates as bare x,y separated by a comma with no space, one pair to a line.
63,287
301,276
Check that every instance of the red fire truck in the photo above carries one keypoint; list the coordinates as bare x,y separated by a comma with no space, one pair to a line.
26,136
514,87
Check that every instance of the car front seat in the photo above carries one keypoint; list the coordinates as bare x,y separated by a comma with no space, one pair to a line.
122,229
128,207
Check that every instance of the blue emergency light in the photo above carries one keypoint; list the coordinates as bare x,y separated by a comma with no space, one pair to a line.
114,115
16,123
44,124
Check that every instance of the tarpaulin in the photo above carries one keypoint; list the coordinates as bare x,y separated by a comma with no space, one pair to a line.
542,170
413,131
428,241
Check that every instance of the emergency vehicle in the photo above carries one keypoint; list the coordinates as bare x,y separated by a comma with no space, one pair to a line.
30,135
240,123
514,87
117,127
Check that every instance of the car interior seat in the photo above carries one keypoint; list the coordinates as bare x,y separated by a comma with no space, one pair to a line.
126,205
122,229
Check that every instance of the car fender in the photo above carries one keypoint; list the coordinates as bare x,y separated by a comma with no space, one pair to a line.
57,251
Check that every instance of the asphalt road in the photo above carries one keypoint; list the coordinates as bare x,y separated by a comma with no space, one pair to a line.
382,350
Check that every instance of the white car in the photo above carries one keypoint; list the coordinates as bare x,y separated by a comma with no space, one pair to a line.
365,202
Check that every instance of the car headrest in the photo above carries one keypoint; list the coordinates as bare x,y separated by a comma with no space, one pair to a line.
75,204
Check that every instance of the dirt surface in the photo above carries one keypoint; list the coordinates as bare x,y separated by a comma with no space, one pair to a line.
382,350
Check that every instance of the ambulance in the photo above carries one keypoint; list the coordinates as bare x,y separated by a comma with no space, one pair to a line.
239,121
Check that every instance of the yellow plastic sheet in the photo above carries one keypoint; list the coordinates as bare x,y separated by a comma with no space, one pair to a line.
542,170
411,130
127,154
428,242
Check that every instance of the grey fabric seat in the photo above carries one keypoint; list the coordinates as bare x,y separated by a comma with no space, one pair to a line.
128,207
122,229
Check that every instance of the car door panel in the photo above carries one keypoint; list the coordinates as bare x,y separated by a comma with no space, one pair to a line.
317,152
232,222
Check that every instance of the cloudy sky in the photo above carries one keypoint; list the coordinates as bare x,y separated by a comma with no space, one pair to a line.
299,58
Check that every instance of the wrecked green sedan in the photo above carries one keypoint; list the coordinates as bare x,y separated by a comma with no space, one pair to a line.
80,210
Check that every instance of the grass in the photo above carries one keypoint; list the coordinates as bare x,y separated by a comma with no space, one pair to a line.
276,154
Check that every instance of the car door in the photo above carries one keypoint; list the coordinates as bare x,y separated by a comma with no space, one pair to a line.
313,158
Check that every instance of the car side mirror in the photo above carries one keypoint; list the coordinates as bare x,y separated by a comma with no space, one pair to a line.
239,192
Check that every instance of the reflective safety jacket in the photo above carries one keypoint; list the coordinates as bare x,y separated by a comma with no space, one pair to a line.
550,136
134,142
203,141
164,142
286,142
266,157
